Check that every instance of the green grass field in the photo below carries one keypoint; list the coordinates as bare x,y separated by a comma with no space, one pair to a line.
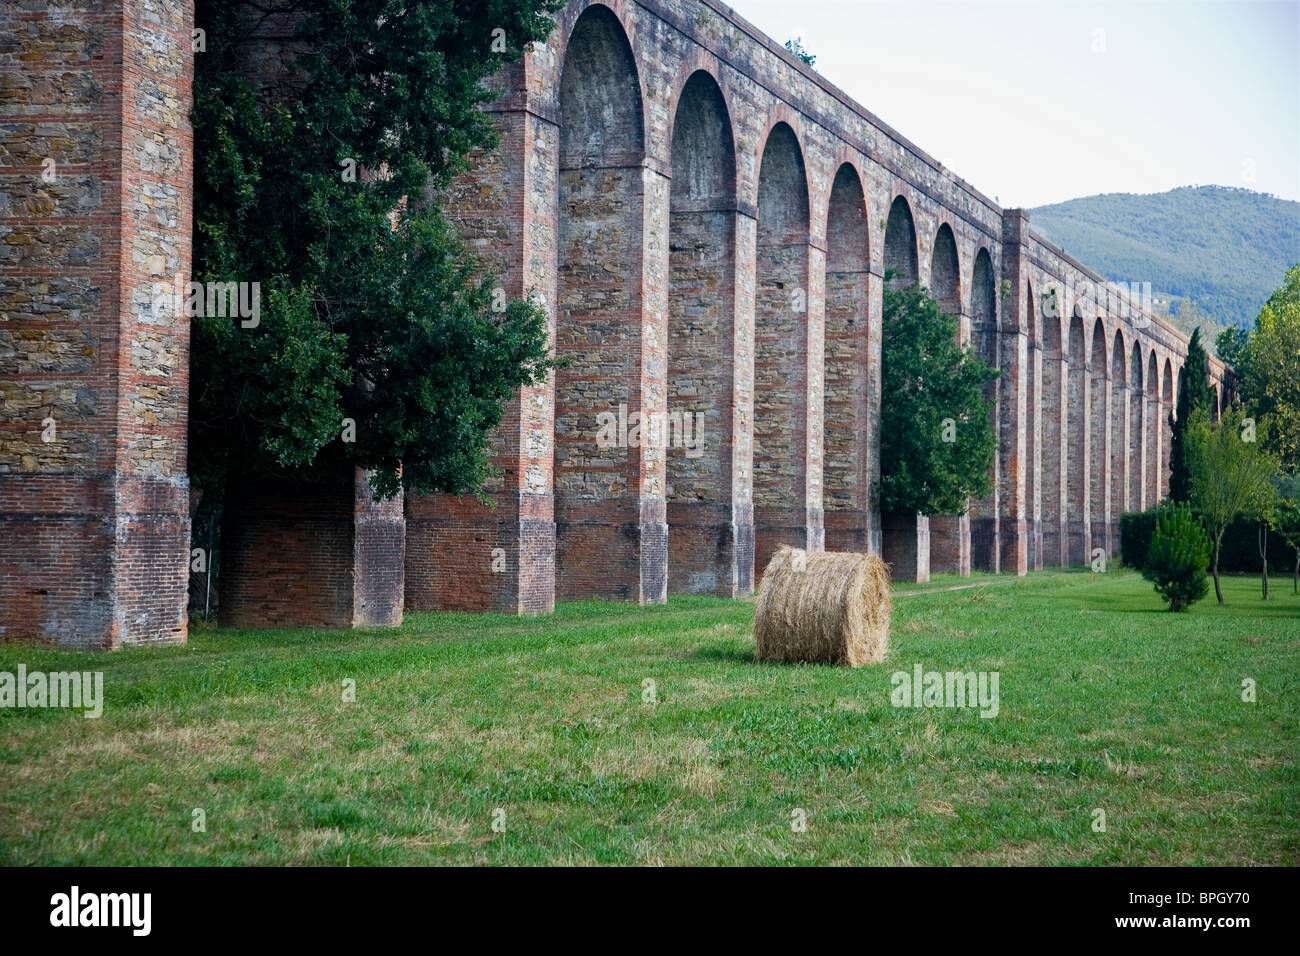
1106,702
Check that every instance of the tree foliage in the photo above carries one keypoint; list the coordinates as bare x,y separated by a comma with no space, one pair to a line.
372,308
1231,475
795,46
936,439
1269,371
1194,394
1287,523
1177,557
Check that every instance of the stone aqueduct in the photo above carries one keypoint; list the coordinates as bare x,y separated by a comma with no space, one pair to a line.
709,223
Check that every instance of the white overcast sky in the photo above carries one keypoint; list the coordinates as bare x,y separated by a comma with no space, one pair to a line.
1038,101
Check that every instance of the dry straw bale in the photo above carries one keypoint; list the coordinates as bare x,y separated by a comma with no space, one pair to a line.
823,606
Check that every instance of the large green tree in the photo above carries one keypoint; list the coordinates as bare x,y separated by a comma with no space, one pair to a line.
1270,371
319,188
1194,394
1231,475
936,438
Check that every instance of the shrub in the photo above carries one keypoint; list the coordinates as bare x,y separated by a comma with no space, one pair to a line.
1177,557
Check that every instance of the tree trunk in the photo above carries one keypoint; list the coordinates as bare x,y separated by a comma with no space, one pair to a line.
1295,574
1218,591
1263,557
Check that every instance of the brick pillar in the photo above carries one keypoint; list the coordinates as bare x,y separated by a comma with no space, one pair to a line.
460,553
1078,429
1098,459
1014,444
94,372
320,555
1034,464
742,472
875,300
1120,442
1154,430
814,402
1055,456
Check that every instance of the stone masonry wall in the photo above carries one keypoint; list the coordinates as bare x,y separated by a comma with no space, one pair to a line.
707,222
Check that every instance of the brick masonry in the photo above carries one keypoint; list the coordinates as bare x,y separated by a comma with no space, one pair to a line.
95,200
708,223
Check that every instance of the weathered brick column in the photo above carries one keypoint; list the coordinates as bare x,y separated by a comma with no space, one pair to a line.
1167,407
1154,433
1034,454
95,174
324,555
1099,447
1079,422
1119,447
1055,454
1016,406
460,553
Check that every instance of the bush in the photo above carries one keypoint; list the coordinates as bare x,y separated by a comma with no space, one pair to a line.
1240,554
1177,557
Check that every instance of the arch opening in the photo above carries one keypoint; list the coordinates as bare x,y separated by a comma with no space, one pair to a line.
598,315
780,347
704,553
900,243
847,412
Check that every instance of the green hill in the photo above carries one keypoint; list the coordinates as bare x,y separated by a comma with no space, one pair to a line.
1211,253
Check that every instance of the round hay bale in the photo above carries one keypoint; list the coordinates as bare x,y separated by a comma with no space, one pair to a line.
826,607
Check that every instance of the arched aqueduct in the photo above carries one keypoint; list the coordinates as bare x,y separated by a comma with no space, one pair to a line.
709,223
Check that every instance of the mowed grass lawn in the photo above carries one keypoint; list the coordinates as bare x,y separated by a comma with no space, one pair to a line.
1106,702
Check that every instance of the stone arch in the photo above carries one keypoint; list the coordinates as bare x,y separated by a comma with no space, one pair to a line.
984,343
602,122
1077,442
598,315
780,346
846,427
703,551
1136,430
945,271
1054,457
900,242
